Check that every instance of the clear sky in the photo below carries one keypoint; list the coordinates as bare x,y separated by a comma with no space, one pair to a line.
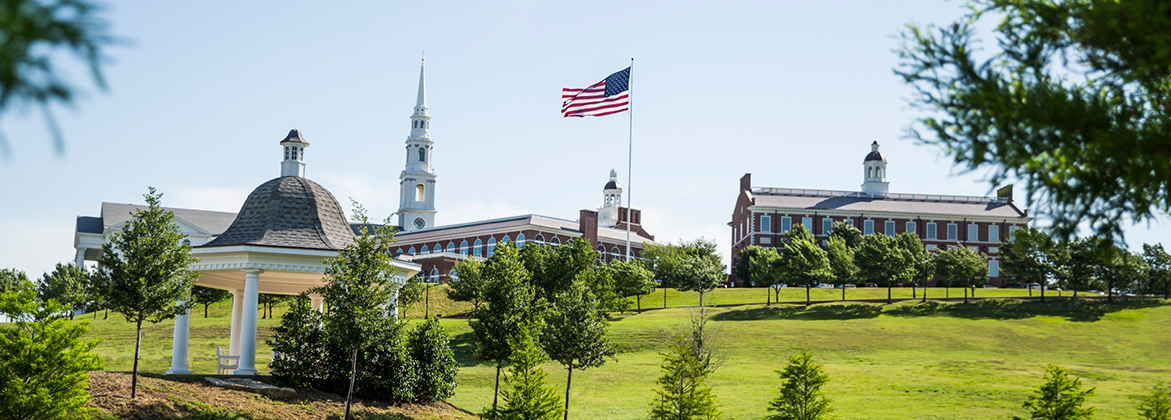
201,93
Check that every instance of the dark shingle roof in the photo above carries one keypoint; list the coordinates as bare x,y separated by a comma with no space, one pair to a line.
294,137
290,212
612,185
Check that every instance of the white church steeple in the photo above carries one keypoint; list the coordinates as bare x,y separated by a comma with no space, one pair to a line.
417,182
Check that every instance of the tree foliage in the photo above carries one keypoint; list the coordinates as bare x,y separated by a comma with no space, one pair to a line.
802,261
1060,398
467,288
683,392
1120,270
1158,270
1073,100
922,263
207,296
509,303
1156,406
632,278
961,266
801,396
67,285
841,260
13,280
1028,258
410,294
850,234
143,271
526,395
881,261
575,333
436,367
1076,262
44,363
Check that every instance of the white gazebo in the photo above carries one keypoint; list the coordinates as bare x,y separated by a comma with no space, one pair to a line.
278,243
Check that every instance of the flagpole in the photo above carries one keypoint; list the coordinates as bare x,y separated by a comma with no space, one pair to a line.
629,160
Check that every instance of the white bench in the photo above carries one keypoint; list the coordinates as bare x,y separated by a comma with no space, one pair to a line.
225,362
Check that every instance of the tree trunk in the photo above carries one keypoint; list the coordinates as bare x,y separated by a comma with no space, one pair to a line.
806,294
205,310
496,395
701,298
777,295
888,298
134,373
913,286
427,304
965,295
568,381
106,315
638,300
924,291
1042,292
664,297
843,291
768,295
353,373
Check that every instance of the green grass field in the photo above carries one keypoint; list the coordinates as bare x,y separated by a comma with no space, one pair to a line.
902,361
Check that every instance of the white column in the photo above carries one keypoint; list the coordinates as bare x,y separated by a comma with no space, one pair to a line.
248,323
237,311
394,300
317,303
179,348
80,258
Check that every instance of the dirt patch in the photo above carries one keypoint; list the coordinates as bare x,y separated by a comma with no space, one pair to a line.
190,397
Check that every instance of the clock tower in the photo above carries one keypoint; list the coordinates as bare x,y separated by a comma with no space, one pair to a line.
416,208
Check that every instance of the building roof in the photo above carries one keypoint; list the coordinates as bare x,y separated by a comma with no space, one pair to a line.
289,212
533,221
612,185
113,214
294,137
875,155
914,204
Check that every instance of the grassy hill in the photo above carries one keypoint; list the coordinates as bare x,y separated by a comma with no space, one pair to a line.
902,361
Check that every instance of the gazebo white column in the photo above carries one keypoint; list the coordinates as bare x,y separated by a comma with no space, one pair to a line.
80,257
248,324
237,312
316,302
179,346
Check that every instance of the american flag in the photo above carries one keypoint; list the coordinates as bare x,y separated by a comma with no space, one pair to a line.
609,96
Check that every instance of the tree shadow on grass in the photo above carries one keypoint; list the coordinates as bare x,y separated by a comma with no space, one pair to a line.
796,312
1072,310
464,347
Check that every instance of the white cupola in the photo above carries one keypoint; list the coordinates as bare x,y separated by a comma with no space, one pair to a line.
294,163
611,202
874,172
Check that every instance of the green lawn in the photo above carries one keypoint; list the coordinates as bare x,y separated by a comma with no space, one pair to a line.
901,361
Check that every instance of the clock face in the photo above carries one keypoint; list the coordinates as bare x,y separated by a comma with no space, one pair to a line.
419,223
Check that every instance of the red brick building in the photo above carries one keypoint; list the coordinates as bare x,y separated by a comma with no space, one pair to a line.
763,215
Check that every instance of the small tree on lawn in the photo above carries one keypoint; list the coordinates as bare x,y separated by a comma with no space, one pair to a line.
467,286
850,234
962,266
881,261
66,284
699,274
631,278
683,393
44,363
359,291
506,306
1076,264
841,262
1120,268
575,333
526,395
430,347
143,272
1028,258
1157,406
922,262
207,296
410,294
802,261
1060,398
753,264
601,282
801,397
1158,269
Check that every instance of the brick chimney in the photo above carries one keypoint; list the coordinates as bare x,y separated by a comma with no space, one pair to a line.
746,182
587,223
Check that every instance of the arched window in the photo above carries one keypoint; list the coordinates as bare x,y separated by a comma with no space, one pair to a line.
463,247
422,154
615,252
869,172
424,250
452,276
540,239
411,251
398,251
438,248
505,239
491,246
187,242
451,247
420,192
477,248
520,240
555,241
435,275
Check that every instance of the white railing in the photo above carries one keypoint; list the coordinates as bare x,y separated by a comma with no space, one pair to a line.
889,196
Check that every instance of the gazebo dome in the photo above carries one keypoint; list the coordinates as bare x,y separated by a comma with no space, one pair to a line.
289,212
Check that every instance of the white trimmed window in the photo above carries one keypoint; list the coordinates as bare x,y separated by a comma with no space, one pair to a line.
451,247
540,239
411,251
786,224
491,246
520,240
973,232
425,250
850,222
555,241
994,268
766,224
890,228
808,222
463,247
931,231
1011,233
476,250
867,227
911,227
827,226
953,231
994,233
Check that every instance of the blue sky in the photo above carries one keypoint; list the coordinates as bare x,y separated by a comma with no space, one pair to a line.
201,93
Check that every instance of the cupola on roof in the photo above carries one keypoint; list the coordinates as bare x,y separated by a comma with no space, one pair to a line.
613,184
874,154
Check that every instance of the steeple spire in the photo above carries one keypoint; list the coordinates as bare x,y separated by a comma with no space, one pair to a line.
417,196
422,101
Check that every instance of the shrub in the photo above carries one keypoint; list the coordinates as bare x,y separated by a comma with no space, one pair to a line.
430,347
298,346
44,364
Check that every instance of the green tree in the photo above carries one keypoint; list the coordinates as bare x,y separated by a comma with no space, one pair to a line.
33,32
526,395
13,280
802,261
961,266
632,278
410,294
1158,269
358,289
1060,398
44,363
298,345
143,271
841,262
755,265
881,261
575,333
1076,263
436,368
683,393
1028,258
1073,100
922,262
554,269
698,274
801,396
848,233
66,284
507,306
602,284
467,287
1120,270
207,296
1157,406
